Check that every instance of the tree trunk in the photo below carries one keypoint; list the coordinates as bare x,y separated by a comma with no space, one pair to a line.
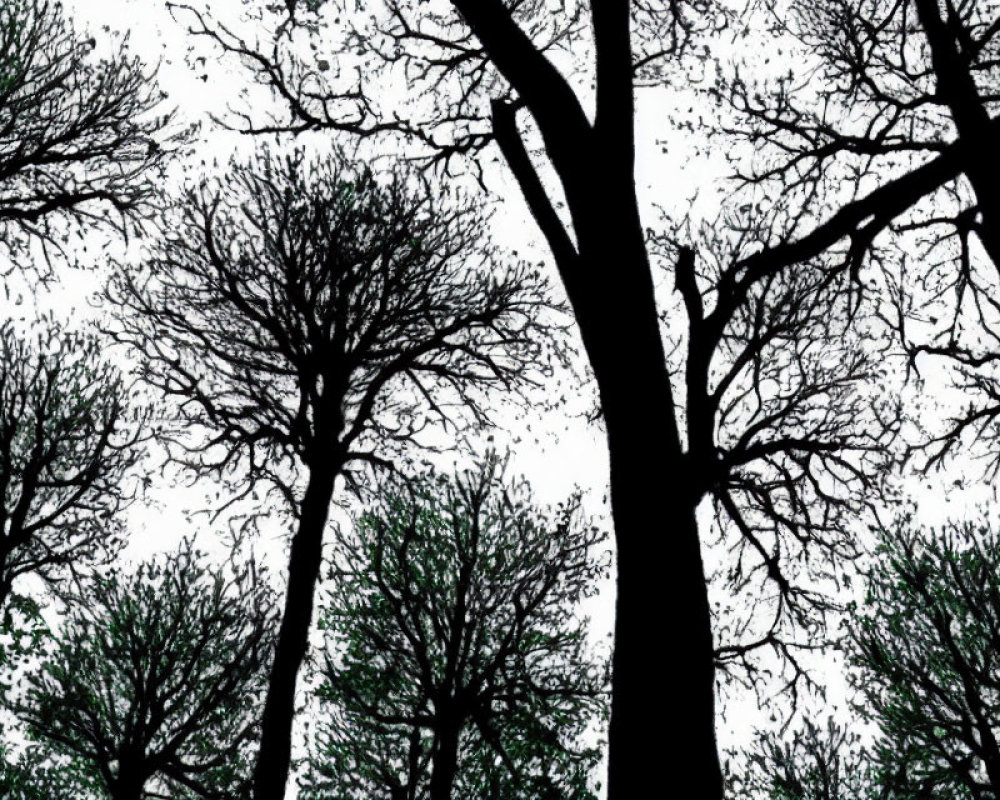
129,783
662,599
956,87
274,756
444,764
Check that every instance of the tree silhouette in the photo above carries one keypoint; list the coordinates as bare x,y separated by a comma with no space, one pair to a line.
926,647
67,443
815,763
456,664
517,76
315,316
906,98
153,684
832,763
80,136
786,432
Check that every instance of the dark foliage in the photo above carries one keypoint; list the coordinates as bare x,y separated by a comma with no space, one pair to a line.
457,663
80,134
318,315
927,644
153,685
67,443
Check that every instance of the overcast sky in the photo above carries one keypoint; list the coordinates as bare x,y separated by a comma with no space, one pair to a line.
556,452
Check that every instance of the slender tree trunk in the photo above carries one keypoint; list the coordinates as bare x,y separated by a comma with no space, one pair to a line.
274,756
444,764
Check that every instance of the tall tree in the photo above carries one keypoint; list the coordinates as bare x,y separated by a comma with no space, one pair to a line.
457,663
314,316
67,442
923,645
484,73
154,682
80,133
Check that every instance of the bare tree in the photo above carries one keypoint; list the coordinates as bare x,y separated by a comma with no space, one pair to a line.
80,134
789,430
314,316
519,76
906,97
457,663
153,684
67,442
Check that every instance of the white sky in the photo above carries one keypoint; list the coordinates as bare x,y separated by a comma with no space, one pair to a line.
558,452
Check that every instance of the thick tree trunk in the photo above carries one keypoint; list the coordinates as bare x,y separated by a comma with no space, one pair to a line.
444,763
129,783
127,791
662,602
274,756
662,597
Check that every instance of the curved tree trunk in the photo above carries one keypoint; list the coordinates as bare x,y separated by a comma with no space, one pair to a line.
273,758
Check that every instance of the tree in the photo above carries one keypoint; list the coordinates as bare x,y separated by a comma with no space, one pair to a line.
154,682
67,443
818,763
906,97
80,134
830,763
789,427
315,316
926,646
456,663
519,76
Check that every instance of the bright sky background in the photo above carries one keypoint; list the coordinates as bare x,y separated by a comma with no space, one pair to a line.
557,452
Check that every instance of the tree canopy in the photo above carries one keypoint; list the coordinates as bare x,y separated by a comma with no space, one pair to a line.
456,661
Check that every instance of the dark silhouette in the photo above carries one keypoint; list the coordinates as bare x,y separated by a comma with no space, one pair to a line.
786,432
831,763
36,776
456,662
154,682
80,137
906,99
487,74
924,648
813,763
313,316
67,443
927,648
